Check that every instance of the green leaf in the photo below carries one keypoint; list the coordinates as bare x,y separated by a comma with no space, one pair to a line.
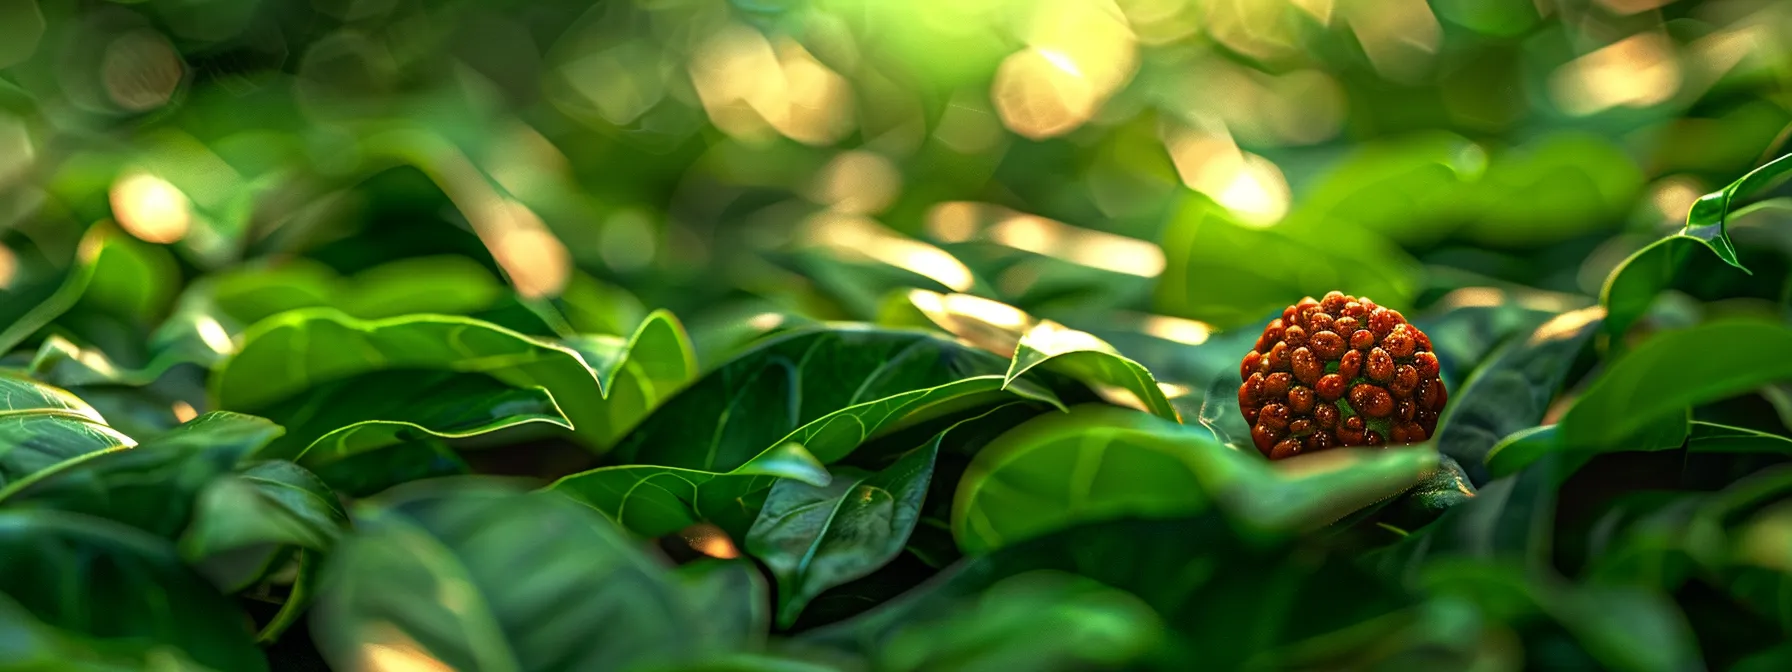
43,426
1711,437
1273,595
653,500
133,589
640,374
32,646
1509,519
1622,627
478,576
26,307
1036,620
153,486
61,362
815,538
265,504
1633,285
1228,274
1673,371
293,352
343,419
1098,462
1513,390
733,596
795,387
1081,356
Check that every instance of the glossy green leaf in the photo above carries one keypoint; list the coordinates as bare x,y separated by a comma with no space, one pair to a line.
153,486
295,351
1098,462
815,538
1086,358
653,500
1673,371
1035,344
482,577
827,388
43,426
641,373
1633,285
1513,390
1711,437
339,420
148,596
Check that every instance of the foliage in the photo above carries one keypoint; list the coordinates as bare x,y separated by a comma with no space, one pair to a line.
766,335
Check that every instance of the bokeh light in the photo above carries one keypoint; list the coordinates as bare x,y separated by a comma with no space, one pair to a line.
150,208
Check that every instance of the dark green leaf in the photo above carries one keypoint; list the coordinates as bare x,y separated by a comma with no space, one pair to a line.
1673,371
652,500
815,538
1513,390
153,486
1273,595
133,588
795,384
478,576
733,597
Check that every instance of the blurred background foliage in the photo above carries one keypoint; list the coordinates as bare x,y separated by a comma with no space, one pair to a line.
1173,166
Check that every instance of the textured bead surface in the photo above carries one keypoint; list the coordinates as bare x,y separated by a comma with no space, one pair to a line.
1339,371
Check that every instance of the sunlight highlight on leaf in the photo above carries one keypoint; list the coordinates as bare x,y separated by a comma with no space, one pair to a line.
860,237
1249,186
393,651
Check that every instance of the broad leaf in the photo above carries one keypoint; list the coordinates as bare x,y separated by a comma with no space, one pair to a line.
1036,620
263,506
1513,390
1088,359
1275,595
815,538
153,486
322,346
1634,284
1100,462
1043,344
1673,371
133,589
477,576
340,420
653,500
788,385
43,426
